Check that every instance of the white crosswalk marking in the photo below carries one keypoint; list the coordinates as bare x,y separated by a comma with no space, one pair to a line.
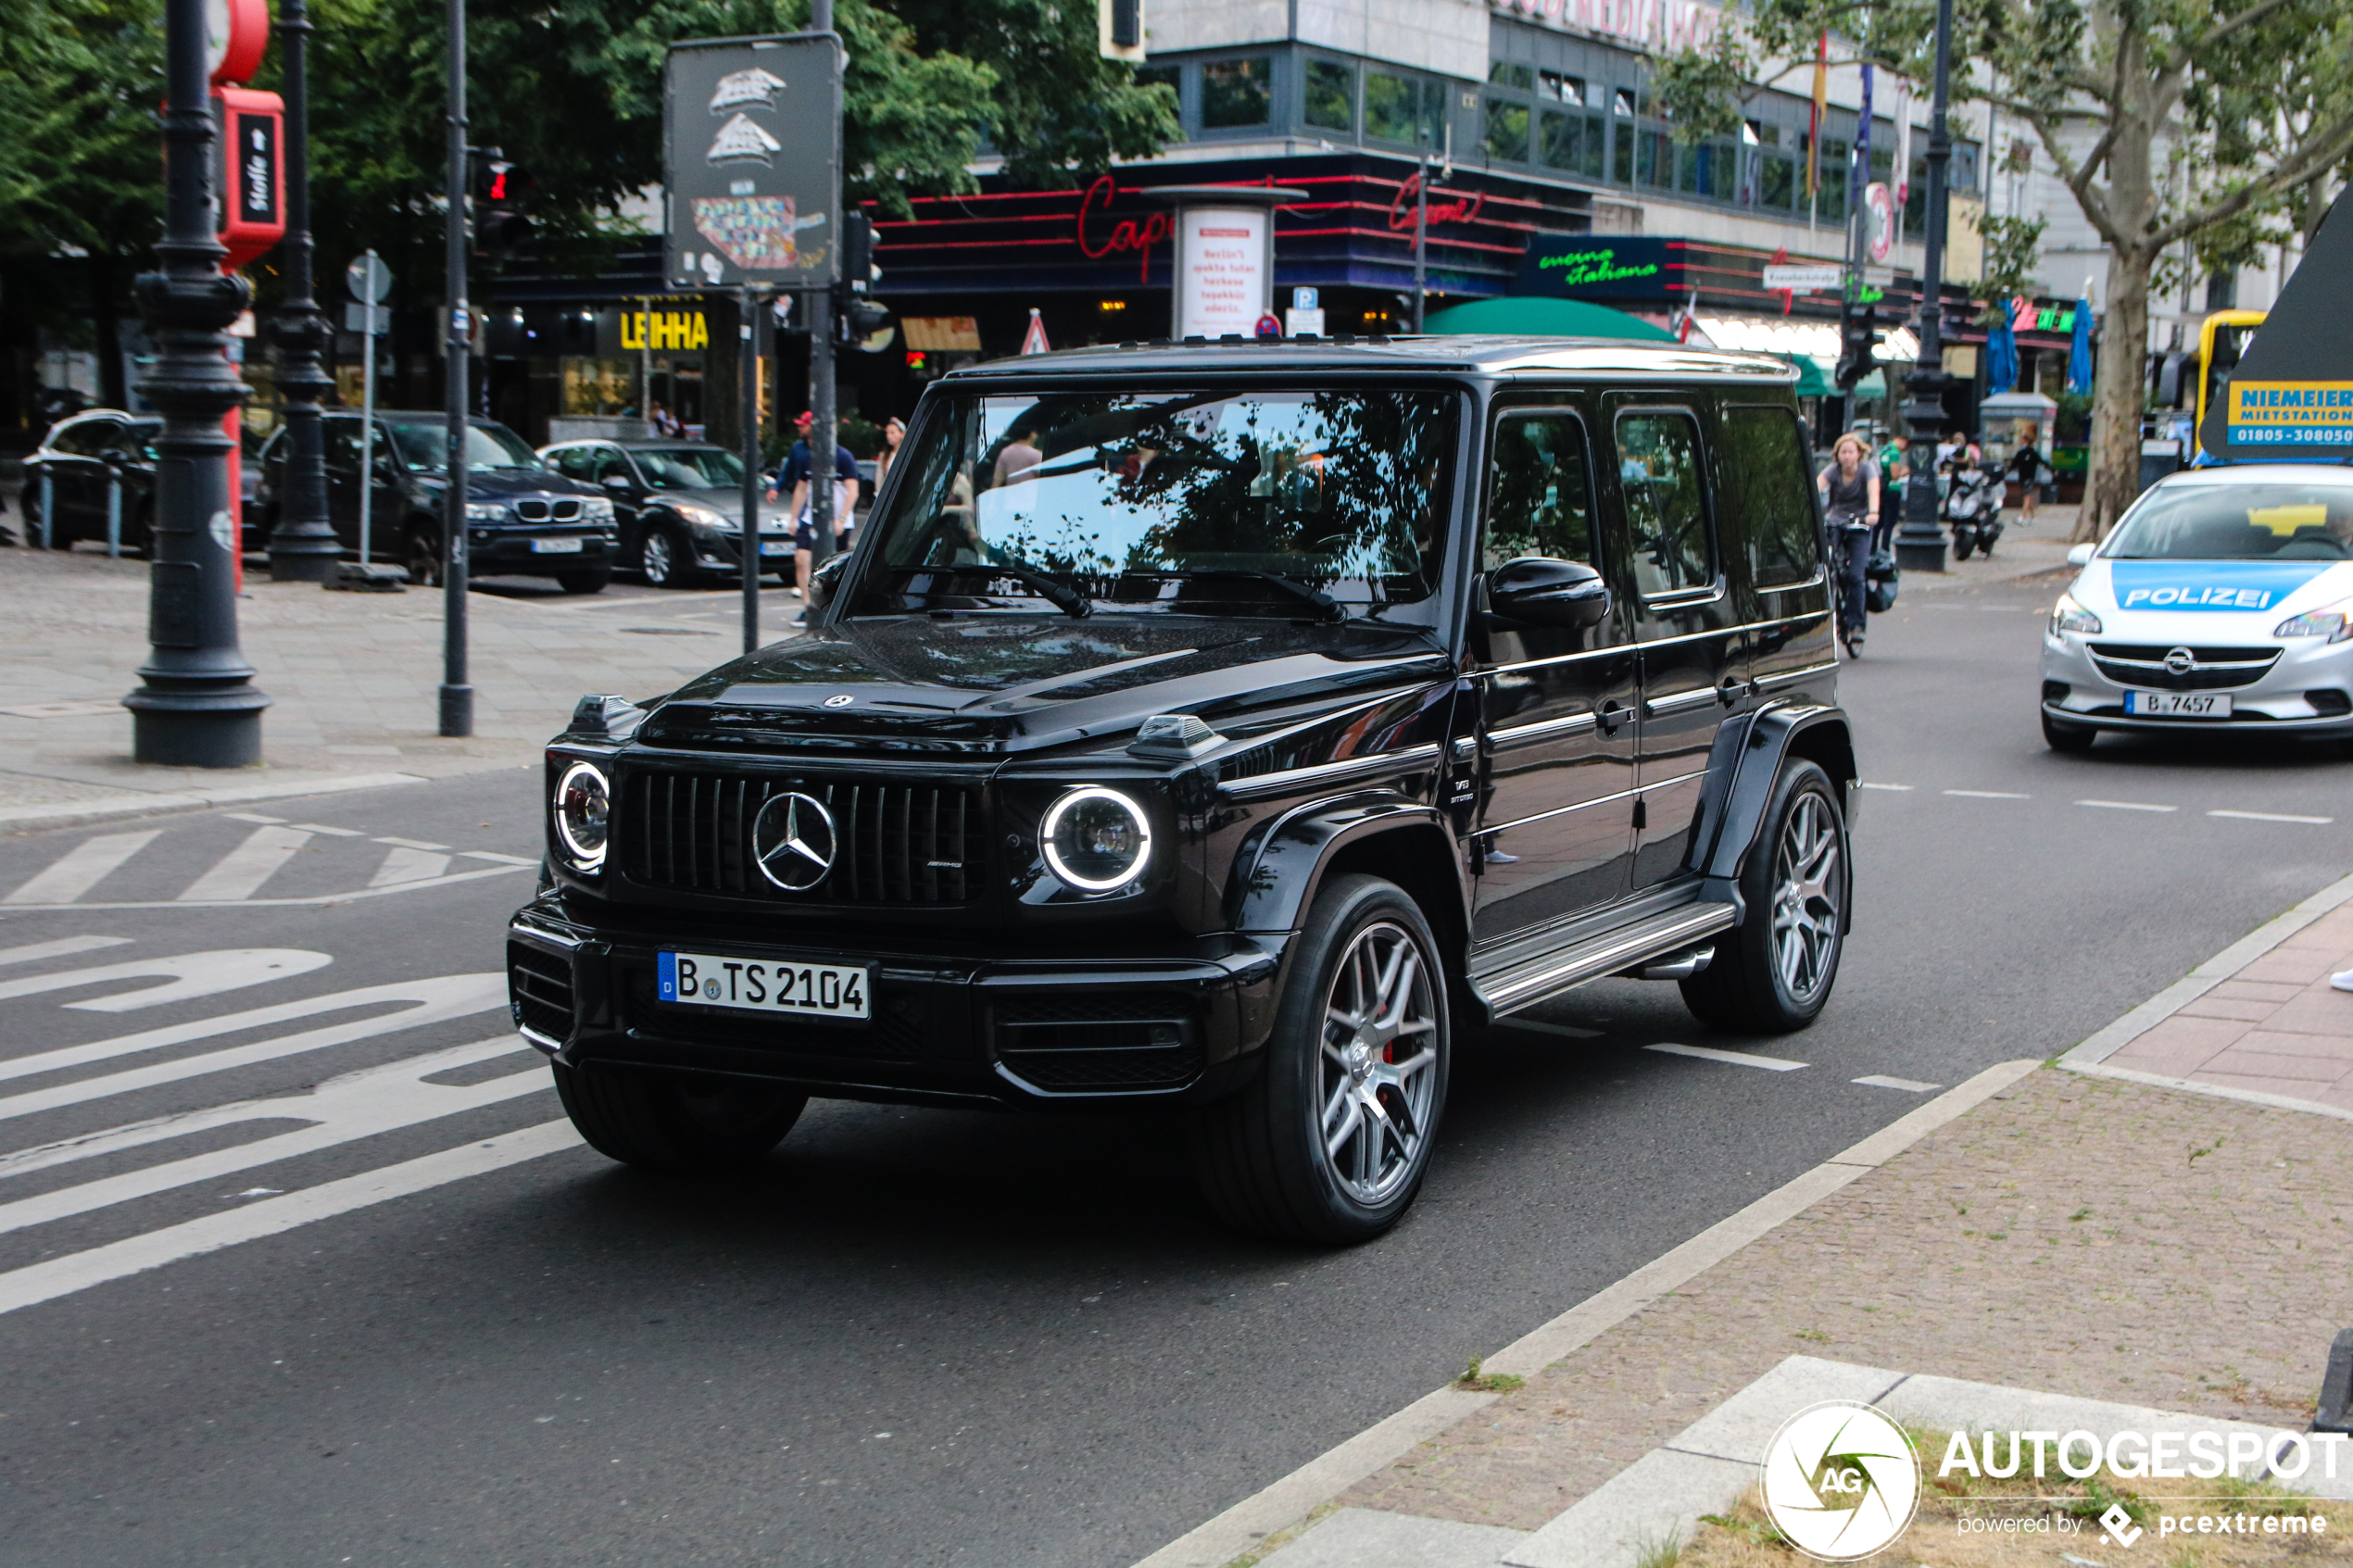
408,865
63,945
240,874
81,868
189,975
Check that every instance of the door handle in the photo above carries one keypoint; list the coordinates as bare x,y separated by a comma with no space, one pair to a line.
1610,716
1729,692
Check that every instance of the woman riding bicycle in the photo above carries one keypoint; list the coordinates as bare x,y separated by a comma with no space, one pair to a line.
1850,508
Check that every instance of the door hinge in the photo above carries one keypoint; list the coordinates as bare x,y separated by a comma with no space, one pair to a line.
1641,814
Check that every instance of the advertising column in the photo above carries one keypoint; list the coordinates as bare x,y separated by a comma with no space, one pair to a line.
1225,274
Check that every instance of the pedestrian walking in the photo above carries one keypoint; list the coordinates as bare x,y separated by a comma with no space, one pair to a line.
792,480
1850,506
2028,467
893,432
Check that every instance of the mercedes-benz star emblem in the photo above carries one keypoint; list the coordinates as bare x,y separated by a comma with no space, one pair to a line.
793,840
2181,661
844,700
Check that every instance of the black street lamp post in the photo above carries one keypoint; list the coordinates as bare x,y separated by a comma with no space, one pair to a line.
303,547
196,706
457,687
1919,546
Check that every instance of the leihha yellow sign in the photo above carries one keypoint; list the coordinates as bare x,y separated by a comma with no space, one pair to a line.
658,329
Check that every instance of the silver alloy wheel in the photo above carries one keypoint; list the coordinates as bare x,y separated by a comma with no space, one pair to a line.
1379,1044
656,559
1807,884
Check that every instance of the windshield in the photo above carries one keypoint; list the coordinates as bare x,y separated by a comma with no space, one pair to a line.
426,447
1280,502
2238,522
690,468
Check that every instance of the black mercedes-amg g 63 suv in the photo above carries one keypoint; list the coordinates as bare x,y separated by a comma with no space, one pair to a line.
1225,724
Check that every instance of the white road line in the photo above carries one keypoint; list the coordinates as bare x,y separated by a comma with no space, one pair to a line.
1567,1031
253,817
1870,785
360,1105
1738,1058
34,951
408,865
1988,795
412,843
1909,1085
2126,805
331,832
239,874
2272,817
271,1216
430,1001
189,975
494,855
81,868
314,900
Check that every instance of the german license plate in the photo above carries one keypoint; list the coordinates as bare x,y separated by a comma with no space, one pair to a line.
556,546
776,546
2179,705
766,985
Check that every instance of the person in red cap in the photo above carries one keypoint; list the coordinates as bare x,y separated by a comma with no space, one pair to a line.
793,480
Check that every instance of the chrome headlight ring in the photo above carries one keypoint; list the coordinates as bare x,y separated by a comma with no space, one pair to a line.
582,811
1096,840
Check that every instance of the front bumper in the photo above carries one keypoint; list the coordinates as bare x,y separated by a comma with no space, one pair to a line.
2308,690
723,552
1170,1019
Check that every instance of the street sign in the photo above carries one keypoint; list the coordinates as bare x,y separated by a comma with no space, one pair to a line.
236,34
752,155
372,320
1804,279
1879,204
369,280
252,210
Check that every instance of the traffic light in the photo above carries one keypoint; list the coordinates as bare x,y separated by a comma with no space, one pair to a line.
500,190
1858,340
860,317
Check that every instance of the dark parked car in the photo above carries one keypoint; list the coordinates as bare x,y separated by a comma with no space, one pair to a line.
679,505
523,518
86,464
1224,727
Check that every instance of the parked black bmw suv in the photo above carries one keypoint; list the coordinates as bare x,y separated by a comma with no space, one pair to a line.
1225,724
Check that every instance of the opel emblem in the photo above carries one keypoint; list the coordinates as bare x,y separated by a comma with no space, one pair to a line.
2181,661
793,840
844,700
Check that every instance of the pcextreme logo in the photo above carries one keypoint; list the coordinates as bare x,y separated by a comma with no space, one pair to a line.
1841,1481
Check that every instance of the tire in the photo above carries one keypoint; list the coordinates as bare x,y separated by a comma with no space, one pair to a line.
2060,735
664,1123
1262,1155
421,555
1774,971
592,580
659,561
1963,543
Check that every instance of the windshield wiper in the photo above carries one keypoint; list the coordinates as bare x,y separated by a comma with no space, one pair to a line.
1328,607
1068,599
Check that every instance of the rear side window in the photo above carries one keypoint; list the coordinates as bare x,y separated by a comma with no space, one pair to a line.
1658,467
86,439
1538,500
1768,508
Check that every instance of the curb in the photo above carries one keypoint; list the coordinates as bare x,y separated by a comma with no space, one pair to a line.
1247,1524
68,812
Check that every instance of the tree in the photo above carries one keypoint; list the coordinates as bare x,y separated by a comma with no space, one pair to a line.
2251,96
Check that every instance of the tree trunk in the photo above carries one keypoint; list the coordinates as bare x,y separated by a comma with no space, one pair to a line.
2117,394
106,314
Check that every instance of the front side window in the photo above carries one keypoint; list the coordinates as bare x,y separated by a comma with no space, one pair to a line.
1331,96
1538,502
1236,93
1659,469
1771,508
1295,504
691,468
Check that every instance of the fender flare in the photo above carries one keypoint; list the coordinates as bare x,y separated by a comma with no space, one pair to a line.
1742,775
1277,869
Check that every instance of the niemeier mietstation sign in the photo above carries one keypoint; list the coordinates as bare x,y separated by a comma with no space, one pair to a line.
2290,398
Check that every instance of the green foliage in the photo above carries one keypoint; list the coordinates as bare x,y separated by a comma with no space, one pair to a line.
2013,254
1700,90
80,84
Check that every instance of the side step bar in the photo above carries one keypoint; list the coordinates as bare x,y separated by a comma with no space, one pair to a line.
1548,974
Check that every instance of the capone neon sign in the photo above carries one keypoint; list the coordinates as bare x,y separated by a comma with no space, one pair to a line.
1126,234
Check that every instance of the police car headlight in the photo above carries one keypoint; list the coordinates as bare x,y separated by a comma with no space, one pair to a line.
2069,616
2330,623
582,809
1096,840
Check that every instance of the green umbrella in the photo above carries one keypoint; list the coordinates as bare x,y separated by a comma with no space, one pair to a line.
1538,317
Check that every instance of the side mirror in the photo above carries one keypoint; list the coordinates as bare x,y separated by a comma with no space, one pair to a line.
2081,555
616,482
1536,591
825,579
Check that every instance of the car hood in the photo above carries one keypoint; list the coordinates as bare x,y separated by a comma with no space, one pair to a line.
1023,682
500,484
2209,600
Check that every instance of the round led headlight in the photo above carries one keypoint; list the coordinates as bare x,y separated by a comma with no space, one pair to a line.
1097,839
583,808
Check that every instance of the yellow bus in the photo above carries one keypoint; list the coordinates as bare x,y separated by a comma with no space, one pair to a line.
2220,340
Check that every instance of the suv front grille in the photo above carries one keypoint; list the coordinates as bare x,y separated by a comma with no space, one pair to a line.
563,508
540,992
894,843
1095,1044
2211,669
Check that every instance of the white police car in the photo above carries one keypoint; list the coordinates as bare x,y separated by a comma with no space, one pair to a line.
2223,599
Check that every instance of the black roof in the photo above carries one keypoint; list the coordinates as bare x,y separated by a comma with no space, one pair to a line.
642,443
1461,354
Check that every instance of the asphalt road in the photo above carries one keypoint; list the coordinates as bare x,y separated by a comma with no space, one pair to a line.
920,1336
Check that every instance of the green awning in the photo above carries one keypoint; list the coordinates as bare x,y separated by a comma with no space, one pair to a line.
1813,378
1533,316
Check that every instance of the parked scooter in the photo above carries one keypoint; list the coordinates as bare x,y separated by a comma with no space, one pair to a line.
1973,509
